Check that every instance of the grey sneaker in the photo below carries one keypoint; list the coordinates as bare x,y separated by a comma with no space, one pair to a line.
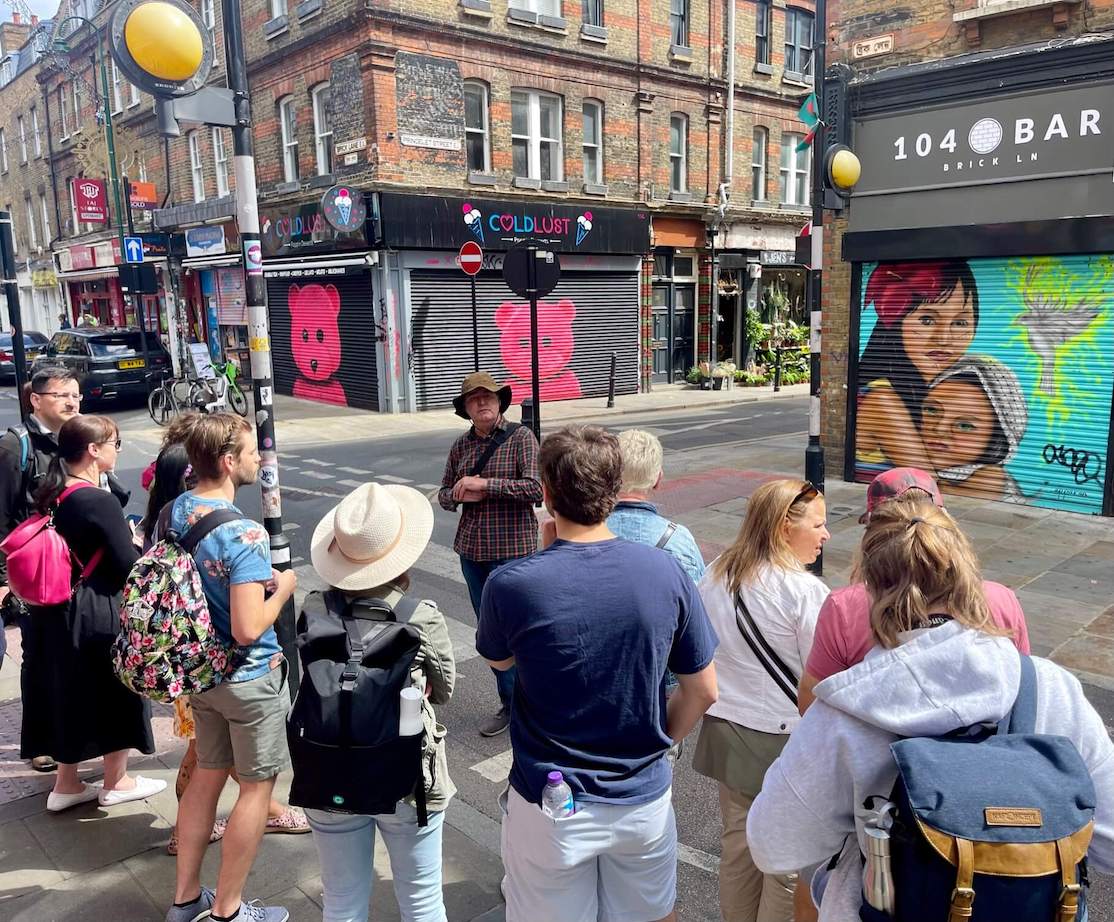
195,911
253,912
497,723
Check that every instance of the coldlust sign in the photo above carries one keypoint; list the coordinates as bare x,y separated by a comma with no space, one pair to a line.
1041,156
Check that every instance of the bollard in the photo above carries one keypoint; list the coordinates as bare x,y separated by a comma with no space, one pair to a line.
611,384
528,419
777,369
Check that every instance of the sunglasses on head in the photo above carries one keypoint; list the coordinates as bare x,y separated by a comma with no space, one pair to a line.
808,493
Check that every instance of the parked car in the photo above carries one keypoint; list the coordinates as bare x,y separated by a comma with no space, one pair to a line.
108,361
32,344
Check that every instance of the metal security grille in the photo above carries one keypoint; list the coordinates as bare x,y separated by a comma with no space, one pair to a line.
309,330
587,316
1012,403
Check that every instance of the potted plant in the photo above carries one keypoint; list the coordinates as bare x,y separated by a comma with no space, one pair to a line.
723,375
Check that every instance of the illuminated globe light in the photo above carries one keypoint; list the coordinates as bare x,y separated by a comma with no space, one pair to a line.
845,169
164,41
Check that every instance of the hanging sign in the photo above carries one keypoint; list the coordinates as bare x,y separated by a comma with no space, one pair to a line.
90,199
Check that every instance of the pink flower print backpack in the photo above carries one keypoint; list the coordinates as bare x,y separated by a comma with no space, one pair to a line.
167,645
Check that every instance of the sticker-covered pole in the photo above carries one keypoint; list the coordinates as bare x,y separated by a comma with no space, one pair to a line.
535,370
247,217
475,328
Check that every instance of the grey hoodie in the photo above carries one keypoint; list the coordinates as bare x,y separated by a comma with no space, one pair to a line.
937,681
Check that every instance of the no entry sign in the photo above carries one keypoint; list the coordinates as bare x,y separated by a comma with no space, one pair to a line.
471,258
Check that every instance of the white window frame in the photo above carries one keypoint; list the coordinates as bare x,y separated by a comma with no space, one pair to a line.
46,218
680,23
288,132
62,112
142,166
792,169
322,136
209,15
538,7
75,85
197,168
220,162
593,152
15,236
73,206
22,126
33,237
3,151
592,12
533,136
792,13
763,31
484,130
278,8
117,96
36,135
759,160
680,157
133,94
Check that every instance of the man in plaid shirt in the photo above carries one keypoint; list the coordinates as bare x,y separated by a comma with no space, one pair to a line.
497,522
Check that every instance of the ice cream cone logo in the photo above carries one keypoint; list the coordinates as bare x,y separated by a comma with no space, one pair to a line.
344,205
583,227
473,222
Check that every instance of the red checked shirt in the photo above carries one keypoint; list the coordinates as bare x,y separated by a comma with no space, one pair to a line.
501,525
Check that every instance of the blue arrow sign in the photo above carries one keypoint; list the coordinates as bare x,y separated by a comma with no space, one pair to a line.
133,249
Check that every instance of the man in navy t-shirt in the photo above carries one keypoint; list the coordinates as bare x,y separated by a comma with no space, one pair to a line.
591,625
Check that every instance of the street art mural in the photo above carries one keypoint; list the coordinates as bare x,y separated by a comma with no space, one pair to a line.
995,374
556,345
315,342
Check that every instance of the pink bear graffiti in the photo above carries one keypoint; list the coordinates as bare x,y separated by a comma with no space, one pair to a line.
315,342
556,345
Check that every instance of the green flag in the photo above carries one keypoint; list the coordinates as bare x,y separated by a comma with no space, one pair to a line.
807,139
808,112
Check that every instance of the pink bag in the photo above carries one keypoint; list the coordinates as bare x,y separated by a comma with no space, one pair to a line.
40,562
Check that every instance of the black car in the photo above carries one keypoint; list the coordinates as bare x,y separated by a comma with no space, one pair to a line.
108,361
32,345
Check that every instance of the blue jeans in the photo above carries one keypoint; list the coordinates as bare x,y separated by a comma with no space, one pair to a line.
476,573
346,847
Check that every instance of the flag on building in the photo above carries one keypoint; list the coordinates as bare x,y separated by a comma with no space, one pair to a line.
809,111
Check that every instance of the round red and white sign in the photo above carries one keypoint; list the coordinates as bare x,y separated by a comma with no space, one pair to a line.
471,258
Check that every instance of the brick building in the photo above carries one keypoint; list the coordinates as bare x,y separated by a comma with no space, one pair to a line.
967,321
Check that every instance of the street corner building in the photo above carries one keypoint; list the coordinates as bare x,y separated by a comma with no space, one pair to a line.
969,284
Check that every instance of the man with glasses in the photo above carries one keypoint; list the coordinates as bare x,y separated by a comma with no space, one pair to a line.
25,454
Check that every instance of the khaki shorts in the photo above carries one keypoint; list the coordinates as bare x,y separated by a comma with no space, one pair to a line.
243,725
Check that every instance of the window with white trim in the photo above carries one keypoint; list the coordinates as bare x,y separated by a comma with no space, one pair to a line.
593,142
21,125
3,151
73,206
142,166
678,152
540,7
197,171
798,42
536,142
794,170
32,235
208,16
45,214
679,22
288,122
762,14
758,152
220,161
117,91
278,8
75,85
133,95
322,129
63,117
36,135
15,237
476,126
592,11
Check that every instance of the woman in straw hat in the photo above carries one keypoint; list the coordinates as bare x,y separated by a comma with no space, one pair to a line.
364,548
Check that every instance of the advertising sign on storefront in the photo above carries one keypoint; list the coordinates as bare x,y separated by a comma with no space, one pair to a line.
305,229
205,241
90,199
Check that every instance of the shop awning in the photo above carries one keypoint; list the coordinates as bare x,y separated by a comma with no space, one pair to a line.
308,265
87,275
210,262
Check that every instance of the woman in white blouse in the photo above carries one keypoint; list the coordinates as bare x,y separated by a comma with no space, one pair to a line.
763,605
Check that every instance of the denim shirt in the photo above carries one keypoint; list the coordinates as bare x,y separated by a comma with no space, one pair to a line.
638,520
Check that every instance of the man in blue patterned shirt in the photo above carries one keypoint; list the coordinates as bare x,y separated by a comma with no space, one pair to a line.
240,723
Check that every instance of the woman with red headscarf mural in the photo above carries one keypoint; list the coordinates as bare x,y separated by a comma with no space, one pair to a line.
928,313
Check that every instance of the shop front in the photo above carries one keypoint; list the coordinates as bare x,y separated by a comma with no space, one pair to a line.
215,293
325,333
982,255
592,313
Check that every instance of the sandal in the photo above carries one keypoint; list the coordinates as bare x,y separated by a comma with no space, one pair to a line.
216,835
291,821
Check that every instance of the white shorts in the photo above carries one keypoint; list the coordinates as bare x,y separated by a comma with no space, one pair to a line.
605,863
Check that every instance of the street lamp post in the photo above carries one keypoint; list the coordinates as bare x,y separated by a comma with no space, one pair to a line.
62,45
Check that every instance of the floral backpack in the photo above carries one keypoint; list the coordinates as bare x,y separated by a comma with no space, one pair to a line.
167,645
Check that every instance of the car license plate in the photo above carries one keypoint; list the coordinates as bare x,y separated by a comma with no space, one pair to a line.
130,363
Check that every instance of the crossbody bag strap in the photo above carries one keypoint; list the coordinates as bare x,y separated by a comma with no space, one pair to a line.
670,530
773,664
498,438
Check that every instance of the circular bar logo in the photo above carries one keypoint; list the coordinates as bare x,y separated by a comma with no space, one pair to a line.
344,208
985,135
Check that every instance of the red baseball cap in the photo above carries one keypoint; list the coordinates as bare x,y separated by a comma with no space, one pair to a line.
896,481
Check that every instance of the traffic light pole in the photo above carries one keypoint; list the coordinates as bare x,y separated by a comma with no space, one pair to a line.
814,453
247,218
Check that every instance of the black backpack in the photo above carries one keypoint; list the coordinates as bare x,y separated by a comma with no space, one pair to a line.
347,754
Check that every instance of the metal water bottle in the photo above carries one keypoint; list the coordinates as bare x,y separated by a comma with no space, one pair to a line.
878,879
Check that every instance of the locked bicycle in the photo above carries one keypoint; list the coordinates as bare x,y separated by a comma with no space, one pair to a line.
214,395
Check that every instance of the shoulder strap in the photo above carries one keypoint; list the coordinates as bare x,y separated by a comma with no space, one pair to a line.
24,438
162,523
773,664
72,488
498,439
1022,717
670,529
405,609
206,524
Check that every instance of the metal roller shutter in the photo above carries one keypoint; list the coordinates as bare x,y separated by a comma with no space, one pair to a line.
587,316
324,348
1013,404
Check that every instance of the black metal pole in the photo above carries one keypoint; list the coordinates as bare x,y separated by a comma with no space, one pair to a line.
814,453
475,328
136,296
535,384
247,218
777,366
15,315
611,384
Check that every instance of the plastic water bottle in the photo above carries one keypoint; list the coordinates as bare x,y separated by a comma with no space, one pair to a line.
557,797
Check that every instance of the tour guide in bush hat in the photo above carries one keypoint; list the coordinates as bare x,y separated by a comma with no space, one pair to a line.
481,381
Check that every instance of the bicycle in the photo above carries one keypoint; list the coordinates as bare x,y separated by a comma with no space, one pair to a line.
170,398
216,394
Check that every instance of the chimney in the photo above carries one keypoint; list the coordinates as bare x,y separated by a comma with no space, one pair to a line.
34,20
15,16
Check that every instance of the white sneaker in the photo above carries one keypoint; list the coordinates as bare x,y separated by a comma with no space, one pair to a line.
56,803
144,788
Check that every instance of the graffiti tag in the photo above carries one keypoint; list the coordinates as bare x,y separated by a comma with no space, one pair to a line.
1084,465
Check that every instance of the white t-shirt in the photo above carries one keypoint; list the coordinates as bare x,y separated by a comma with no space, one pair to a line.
784,605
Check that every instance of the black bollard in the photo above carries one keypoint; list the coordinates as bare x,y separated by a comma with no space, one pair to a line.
611,384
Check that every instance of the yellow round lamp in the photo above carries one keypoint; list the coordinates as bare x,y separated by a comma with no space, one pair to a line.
845,169
164,41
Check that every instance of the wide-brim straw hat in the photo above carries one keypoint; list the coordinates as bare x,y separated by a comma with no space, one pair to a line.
375,534
481,381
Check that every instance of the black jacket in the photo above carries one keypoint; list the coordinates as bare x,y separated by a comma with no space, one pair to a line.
18,486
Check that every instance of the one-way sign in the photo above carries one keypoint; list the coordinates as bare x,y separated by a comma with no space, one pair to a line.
133,249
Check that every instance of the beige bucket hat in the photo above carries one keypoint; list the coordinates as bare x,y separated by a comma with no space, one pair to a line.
376,533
